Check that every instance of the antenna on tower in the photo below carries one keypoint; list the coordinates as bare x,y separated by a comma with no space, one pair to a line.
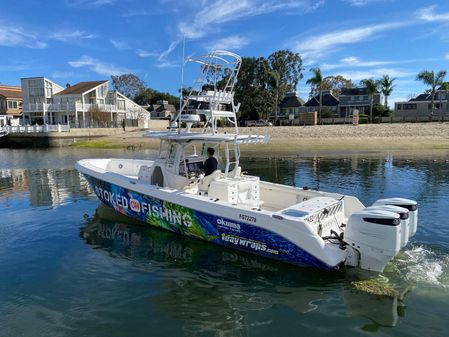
182,72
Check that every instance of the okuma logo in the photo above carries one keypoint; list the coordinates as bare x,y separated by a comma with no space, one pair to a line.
134,205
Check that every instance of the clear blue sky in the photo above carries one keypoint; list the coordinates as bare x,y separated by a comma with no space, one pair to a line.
79,40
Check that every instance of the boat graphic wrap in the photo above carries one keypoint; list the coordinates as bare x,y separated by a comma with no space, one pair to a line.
208,227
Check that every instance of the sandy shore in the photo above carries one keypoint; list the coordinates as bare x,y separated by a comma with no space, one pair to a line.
288,140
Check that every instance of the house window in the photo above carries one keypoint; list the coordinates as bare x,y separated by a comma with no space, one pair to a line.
36,92
102,90
399,106
365,98
36,88
12,104
409,106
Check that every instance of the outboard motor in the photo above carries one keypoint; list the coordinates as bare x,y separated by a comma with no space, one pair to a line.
376,235
412,207
403,215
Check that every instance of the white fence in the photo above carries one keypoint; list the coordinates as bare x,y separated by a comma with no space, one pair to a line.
38,128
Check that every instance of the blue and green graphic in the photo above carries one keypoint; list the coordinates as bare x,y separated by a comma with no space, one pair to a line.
208,227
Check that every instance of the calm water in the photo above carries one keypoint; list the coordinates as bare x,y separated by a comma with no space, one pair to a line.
70,267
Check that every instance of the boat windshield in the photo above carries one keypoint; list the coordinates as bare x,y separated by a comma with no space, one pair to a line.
171,154
164,149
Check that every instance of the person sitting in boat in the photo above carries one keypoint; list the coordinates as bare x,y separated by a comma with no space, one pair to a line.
211,163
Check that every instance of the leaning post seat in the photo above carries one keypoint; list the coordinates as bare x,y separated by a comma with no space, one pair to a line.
238,190
203,186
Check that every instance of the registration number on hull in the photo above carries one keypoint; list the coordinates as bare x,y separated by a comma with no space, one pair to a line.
247,218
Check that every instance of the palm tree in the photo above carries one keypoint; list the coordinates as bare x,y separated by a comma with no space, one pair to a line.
317,82
372,88
429,78
386,86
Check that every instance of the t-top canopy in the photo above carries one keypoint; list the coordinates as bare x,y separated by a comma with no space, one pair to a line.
187,137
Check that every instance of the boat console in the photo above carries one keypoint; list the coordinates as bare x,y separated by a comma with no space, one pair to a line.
193,167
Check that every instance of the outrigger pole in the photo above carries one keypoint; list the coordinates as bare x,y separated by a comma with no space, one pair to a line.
182,76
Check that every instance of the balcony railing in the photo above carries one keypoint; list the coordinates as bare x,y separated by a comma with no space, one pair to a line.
38,128
68,107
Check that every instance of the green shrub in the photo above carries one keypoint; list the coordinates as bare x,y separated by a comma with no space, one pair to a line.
380,111
326,113
363,118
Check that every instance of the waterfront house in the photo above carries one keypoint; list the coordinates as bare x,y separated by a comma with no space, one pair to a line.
329,107
162,110
420,106
356,98
37,93
10,101
85,104
290,104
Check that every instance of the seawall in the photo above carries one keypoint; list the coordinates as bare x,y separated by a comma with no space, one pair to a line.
58,139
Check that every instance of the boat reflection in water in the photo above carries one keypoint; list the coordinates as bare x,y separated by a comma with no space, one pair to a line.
223,289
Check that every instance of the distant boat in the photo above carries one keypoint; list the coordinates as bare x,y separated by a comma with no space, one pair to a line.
227,207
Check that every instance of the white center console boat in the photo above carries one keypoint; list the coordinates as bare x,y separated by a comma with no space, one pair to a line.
300,226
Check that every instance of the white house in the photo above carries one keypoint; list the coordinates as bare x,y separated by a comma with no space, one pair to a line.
85,104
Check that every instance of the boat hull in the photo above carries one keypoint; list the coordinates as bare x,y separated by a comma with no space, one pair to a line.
202,225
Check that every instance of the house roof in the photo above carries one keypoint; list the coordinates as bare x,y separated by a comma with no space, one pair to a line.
9,91
424,97
421,97
328,100
353,91
80,87
163,107
291,101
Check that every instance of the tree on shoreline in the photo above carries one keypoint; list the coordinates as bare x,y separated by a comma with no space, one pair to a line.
334,84
263,82
284,68
252,89
372,87
433,80
317,82
386,87
150,96
128,84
